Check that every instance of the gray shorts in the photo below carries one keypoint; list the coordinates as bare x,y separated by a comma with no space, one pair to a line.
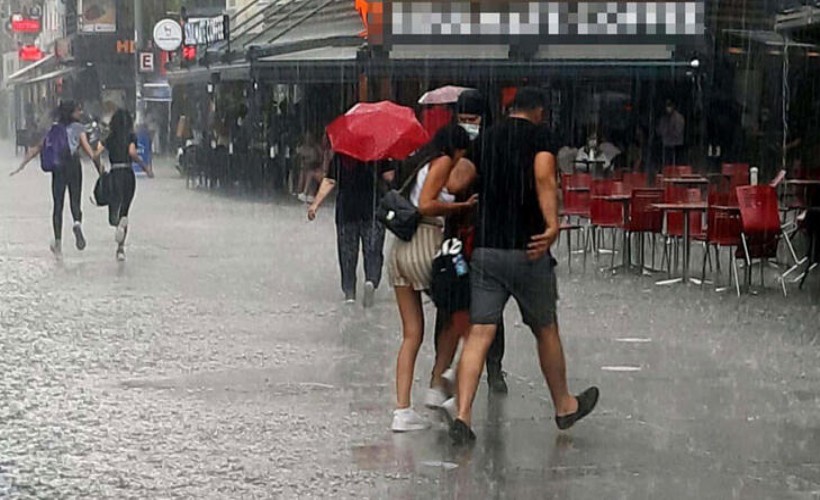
498,275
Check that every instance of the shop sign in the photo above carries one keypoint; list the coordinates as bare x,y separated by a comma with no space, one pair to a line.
21,24
168,35
146,61
126,47
414,22
97,16
206,30
30,53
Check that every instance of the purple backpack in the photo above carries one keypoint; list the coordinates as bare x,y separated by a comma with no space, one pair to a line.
55,152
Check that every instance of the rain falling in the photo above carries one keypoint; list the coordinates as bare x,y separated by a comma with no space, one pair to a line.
409,249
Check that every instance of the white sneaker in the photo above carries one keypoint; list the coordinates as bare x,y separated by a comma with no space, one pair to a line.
122,228
56,248
450,410
120,253
449,376
369,294
436,396
407,420
78,236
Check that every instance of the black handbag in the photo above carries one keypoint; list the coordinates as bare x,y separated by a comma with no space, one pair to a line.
102,190
450,287
397,212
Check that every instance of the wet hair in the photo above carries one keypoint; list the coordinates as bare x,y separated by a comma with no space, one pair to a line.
447,141
529,99
121,129
65,112
450,139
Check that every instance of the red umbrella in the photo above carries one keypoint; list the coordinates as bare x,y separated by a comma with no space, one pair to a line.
377,131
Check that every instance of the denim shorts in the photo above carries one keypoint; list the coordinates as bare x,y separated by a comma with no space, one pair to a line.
498,275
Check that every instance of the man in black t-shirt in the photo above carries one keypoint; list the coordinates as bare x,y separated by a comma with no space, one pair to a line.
356,222
517,224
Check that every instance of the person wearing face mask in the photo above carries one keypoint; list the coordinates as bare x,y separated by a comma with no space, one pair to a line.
452,321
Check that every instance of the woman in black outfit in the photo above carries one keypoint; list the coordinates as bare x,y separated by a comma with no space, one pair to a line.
122,150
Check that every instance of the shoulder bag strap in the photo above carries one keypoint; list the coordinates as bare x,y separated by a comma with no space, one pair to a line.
412,177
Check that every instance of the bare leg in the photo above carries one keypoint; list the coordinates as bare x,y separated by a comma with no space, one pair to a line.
456,327
412,319
470,367
553,366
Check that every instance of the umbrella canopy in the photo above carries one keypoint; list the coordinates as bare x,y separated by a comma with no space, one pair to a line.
443,95
377,131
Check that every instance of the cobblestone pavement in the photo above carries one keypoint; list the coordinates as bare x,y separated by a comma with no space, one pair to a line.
219,362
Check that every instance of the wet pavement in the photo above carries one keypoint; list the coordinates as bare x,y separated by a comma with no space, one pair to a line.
219,362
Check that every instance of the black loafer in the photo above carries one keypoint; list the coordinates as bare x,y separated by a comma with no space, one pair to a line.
461,433
586,403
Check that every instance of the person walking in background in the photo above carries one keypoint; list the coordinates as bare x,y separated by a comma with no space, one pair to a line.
517,224
671,130
68,175
356,224
310,155
121,145
411,262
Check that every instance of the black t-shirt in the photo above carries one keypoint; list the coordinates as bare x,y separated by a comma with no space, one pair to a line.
508,210
356,187
118,153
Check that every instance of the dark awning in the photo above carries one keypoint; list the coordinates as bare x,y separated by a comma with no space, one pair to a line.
325,64
227,72
471,71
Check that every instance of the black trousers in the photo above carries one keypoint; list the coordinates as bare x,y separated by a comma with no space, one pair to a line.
496,353
369,237
68,177
123,185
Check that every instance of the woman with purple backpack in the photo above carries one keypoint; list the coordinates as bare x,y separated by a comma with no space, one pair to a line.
61,157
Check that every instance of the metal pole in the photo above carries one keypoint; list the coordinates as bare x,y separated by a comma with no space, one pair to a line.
138,45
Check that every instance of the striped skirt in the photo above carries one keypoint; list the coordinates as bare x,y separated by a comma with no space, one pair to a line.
411,262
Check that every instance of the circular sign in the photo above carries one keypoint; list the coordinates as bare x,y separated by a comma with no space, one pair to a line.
168,35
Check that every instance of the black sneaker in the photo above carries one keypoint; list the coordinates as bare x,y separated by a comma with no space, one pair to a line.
461,433
495,379
586,403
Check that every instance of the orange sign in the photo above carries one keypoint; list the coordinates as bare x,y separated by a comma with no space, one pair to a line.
362,9
125,47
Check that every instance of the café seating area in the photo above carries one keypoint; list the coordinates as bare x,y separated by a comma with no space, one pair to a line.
732,221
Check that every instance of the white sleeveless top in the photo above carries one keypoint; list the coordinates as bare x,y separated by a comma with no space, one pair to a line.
444,196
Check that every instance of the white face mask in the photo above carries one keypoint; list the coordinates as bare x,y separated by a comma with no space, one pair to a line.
472,129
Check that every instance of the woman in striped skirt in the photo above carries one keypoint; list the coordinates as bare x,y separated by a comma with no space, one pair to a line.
410,264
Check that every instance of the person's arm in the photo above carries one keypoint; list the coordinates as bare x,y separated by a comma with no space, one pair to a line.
324,190
461,177
32,152
90,152
546,188
429,204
